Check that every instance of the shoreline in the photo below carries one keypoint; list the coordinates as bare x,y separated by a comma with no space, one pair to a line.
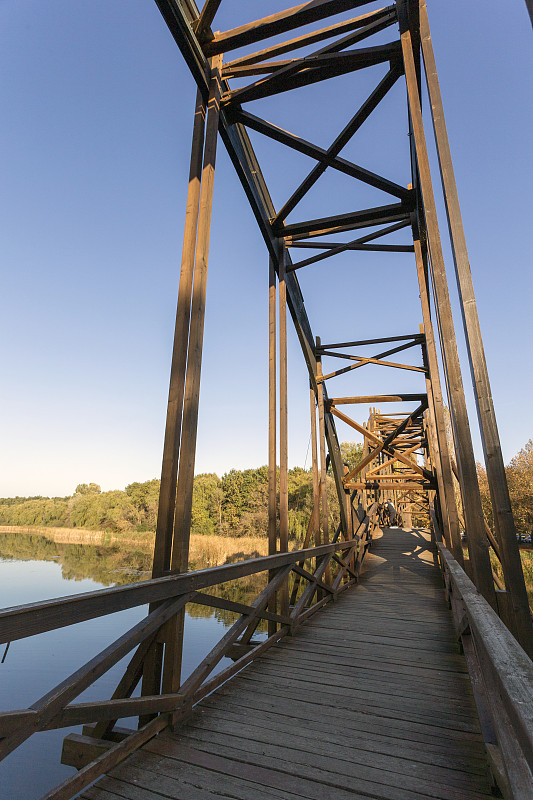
82,535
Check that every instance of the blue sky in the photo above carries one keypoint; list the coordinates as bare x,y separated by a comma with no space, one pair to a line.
97,107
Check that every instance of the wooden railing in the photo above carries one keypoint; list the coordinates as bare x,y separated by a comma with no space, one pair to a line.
341,561
502,681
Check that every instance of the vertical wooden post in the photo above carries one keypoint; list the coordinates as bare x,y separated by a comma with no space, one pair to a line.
349,518
432,458
436,404
283,429
371,427
433,453
180,552
272,516
366,451
169,470
183,511
322,437
497,479
314,458
478,543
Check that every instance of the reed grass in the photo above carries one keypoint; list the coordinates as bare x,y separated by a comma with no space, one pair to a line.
527,566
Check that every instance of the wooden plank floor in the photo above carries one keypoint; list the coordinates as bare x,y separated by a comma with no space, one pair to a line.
370,699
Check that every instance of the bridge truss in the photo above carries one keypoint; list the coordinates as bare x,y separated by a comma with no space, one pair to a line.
409,463
340,48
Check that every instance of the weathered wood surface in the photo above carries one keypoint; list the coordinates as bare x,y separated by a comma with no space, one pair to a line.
370,699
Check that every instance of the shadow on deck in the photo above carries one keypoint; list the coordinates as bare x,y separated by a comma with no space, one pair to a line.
370,699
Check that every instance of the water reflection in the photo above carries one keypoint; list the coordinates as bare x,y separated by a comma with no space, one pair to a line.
34,568
114,564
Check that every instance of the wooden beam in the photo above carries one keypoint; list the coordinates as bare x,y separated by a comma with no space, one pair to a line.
322,440
422,487
283,431
390,462
267,67
244,160
360,116
127,684
345,222
206,17
183,510
361,342
376,398
314,466
362,464
314,37
272,511
447,499
350,357
53,702
318,153
169,469
478,546
506,668
367,248
22,621
368,237
361,362
311,69
497,479
106,761
278,23
374,439
180,554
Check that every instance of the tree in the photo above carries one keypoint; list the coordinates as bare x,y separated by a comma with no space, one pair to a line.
351,453
88,488
520,480
485,493
145,499
207,499
244,507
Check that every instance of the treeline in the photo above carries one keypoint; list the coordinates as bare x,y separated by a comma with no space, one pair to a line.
234,505
520,481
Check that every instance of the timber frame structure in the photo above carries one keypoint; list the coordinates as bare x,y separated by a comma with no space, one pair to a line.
408,464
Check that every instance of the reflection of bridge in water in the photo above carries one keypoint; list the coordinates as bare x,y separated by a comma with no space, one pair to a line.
379,696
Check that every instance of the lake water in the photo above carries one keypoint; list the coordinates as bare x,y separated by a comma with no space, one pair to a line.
35,665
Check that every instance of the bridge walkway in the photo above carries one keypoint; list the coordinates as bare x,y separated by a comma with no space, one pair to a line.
369,699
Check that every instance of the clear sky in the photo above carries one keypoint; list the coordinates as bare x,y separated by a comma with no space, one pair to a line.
97,117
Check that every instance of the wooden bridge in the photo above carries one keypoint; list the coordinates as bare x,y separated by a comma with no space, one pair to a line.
395,661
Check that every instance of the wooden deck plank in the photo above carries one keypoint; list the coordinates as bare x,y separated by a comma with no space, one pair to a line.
337,751
371,698
355,699
438,754
355,720
404,688
302,766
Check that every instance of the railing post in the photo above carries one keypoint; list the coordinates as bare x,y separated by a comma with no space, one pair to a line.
497,479
283,427
322,437
169,469
272,516
436,406
189,416
477,540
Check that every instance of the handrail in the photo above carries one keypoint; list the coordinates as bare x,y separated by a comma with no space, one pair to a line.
169,595
505,697
19,622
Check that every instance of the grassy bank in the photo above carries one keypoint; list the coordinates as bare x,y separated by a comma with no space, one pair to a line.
205,551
